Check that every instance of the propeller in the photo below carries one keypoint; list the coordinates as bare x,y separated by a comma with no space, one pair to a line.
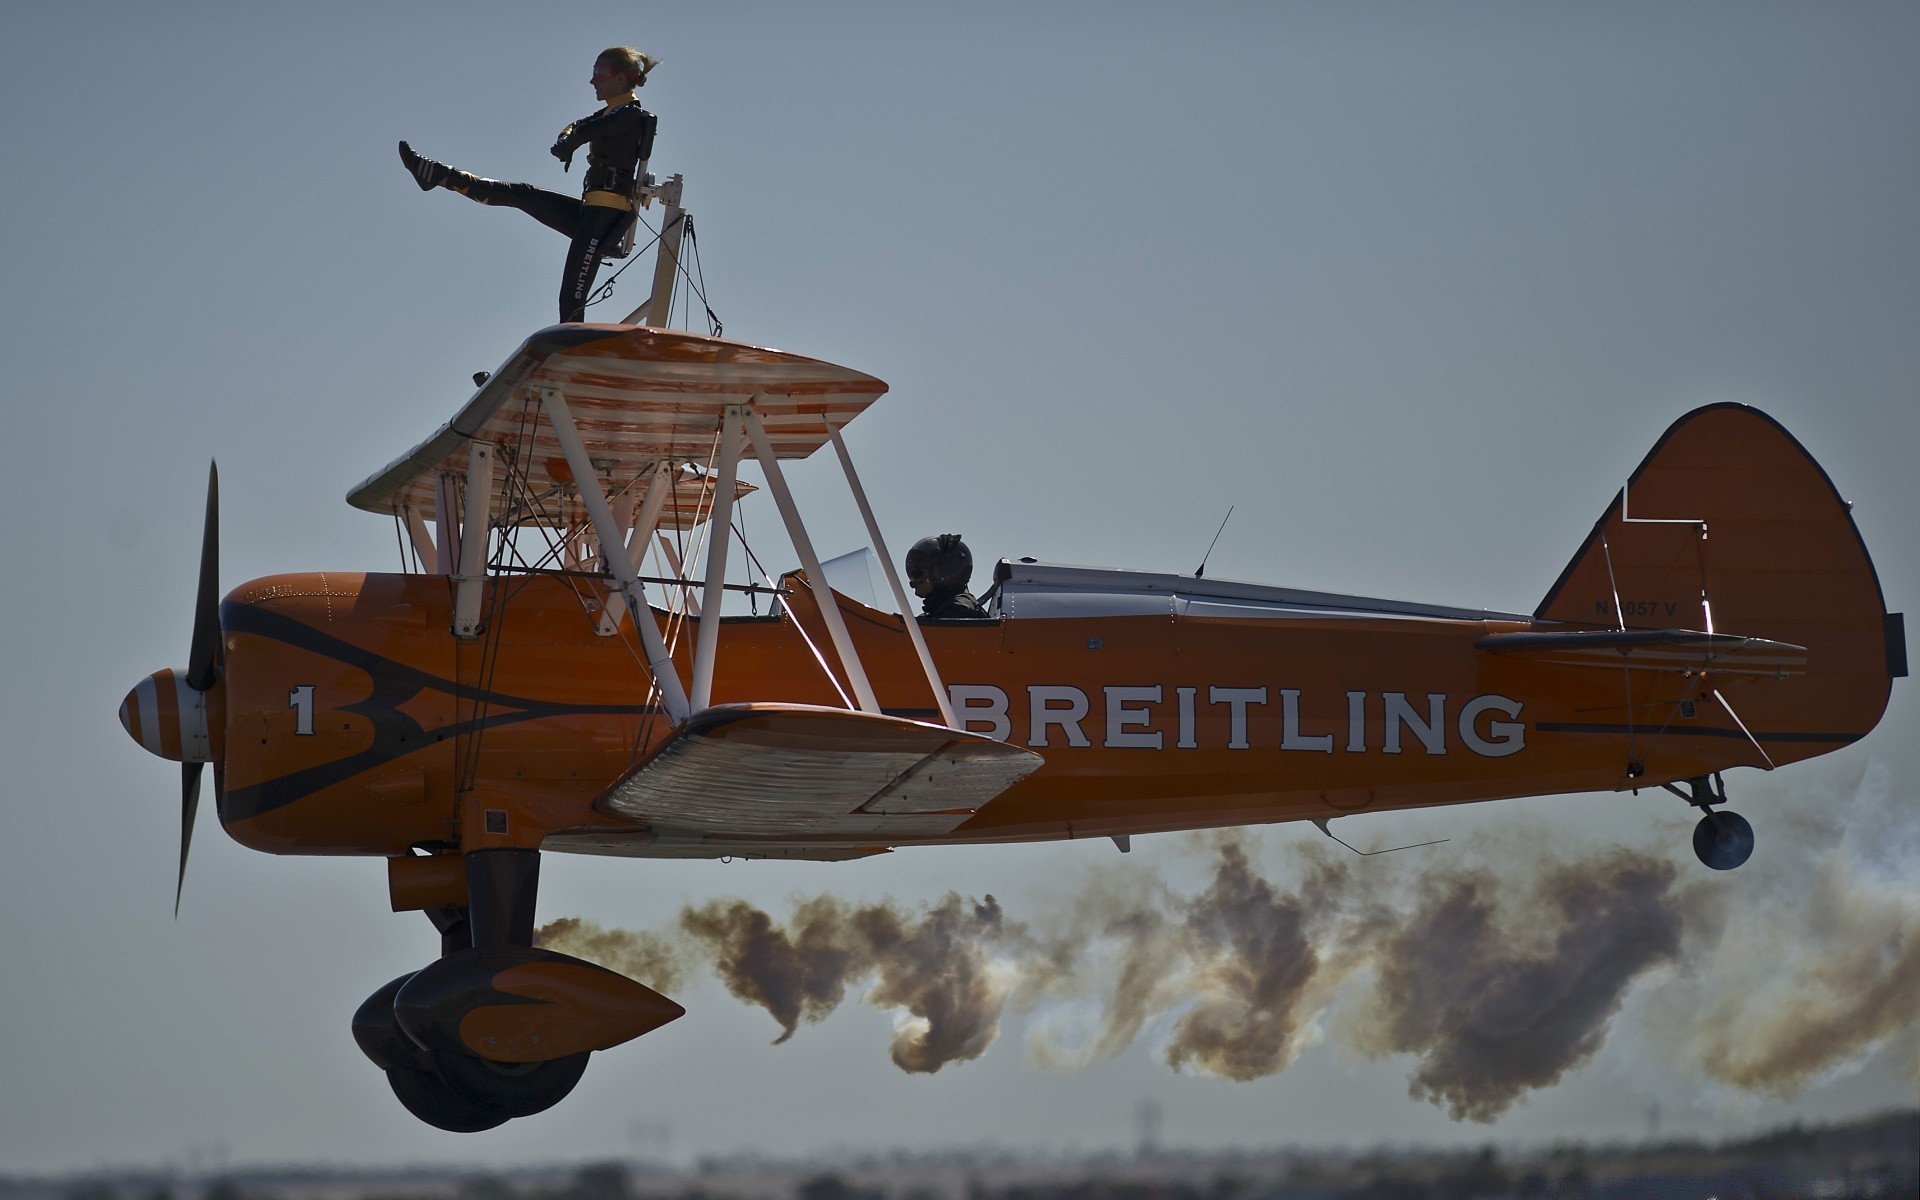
203,662
189,806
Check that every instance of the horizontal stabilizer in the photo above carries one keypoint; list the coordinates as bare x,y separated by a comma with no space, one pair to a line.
1655,650
829,774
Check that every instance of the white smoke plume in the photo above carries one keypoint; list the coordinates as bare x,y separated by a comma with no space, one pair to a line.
1813,975
1497,971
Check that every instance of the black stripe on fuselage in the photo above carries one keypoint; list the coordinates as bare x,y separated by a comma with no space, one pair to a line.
1693,731
395,734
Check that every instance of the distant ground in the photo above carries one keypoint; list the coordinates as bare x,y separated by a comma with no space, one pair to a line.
1871,1157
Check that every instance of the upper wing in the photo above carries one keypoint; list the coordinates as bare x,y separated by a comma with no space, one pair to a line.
639,396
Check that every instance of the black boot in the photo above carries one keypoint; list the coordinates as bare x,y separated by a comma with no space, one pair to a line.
426,172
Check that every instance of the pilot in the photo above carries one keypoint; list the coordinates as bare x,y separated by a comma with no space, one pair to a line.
938,570
618,139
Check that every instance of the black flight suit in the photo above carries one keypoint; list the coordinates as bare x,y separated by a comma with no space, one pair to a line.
946,606
618,139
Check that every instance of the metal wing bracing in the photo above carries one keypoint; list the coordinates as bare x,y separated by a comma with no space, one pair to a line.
561,435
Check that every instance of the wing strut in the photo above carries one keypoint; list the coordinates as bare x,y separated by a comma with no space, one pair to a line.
719,528
672,694
658,485
444,530
420,536
816,575
476,521
893,581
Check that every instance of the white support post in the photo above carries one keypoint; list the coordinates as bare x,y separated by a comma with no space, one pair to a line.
672,556
707,644
421,537
476,521
659,484
445,529
666,263
893,581
816,575
672,694
623,509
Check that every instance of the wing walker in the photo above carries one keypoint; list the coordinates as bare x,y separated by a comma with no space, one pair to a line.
529,683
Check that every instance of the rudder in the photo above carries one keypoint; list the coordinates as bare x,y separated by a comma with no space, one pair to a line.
1730,526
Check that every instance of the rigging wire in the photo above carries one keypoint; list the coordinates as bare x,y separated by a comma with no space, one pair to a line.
605,290
715,327
714,324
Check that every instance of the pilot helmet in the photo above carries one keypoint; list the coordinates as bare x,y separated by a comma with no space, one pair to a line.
944,562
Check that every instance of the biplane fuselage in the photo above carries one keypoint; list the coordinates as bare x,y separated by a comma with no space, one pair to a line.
528,690
1146,723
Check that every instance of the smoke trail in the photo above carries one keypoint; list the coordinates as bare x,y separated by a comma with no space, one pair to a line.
1496,978
938,965
798,976
938,968
1495,1003
1255,960
1815,974
651,958
1119,938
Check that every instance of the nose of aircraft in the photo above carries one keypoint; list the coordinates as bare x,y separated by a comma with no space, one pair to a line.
168,718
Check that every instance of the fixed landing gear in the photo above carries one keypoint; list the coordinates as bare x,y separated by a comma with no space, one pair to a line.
1722,840
496,1028
461,1093
427,1097
515,1089
438,1082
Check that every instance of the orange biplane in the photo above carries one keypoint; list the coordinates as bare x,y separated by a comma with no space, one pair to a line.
527,689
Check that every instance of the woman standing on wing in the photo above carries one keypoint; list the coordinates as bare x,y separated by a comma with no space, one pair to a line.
619,138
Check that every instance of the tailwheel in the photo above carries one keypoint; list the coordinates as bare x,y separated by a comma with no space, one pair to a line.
517,1089
427,1097
1723,840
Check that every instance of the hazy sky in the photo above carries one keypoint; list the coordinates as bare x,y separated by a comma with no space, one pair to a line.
1413,286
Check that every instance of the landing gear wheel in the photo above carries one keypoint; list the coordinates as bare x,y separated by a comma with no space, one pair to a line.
440,1106
517,1089
380,1037
1723,840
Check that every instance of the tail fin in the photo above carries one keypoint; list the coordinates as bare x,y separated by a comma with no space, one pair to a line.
1729,526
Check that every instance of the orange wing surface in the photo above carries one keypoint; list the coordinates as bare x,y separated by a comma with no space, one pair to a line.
639,396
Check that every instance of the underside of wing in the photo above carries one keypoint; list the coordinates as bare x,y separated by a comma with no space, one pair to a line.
817,775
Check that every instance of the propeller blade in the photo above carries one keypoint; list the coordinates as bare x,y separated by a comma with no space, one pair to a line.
204,657
189,806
